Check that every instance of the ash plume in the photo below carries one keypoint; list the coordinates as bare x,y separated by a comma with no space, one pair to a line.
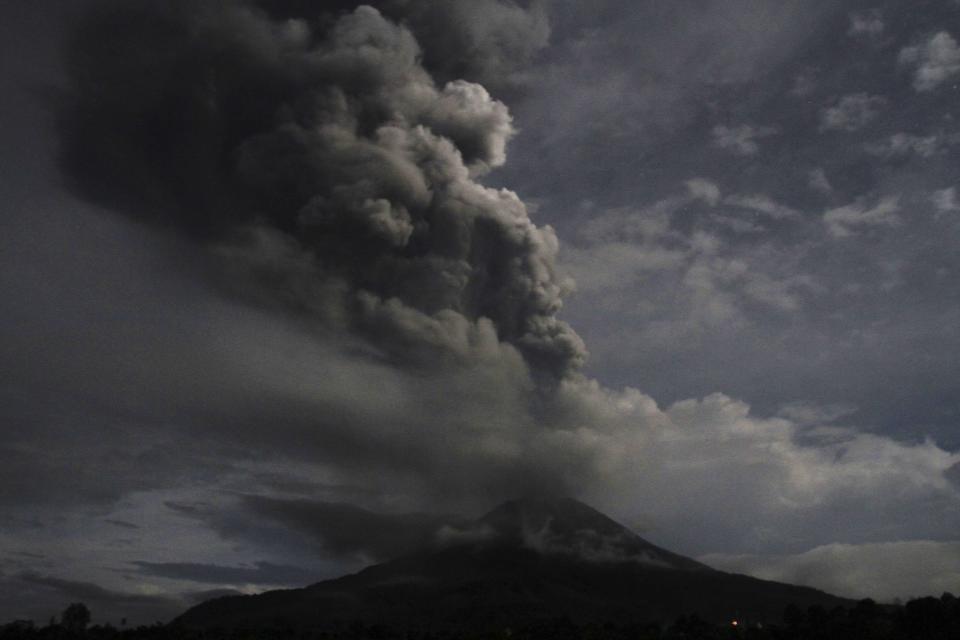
323,167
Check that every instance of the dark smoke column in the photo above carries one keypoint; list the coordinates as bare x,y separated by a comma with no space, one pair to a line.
324,168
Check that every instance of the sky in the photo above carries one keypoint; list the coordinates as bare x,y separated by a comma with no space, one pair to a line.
290,287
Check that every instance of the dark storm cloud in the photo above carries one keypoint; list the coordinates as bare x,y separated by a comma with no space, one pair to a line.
345,529
325,168
339,530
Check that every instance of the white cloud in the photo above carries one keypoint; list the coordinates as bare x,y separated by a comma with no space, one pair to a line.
883,571
782,294
760,485
818,181
618,245
718,285
614,249
842,220
936,61
630,224
900,144
851,112
764,204
945,200
868,24
703,189
741,139
617,264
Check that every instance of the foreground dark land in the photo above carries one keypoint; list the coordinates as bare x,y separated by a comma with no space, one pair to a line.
534,569
525,562
921,619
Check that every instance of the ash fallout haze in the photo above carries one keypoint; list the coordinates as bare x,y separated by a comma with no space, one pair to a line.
289,288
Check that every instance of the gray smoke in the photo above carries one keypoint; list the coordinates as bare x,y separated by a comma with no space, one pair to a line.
323,166
492,42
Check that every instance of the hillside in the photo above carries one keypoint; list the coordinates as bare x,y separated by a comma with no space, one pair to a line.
523,562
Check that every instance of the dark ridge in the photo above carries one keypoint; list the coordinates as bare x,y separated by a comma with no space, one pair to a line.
525,562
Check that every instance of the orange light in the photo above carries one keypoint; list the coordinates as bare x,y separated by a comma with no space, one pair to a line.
734,623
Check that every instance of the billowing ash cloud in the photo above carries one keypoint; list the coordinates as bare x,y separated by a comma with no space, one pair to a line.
491,42
330,169
324,168
344,529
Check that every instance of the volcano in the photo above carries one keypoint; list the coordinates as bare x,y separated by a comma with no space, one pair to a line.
525,562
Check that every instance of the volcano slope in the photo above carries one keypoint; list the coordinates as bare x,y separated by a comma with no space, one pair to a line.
525,562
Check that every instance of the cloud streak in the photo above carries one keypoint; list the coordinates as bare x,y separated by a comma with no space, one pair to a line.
260,573
741,139
842,222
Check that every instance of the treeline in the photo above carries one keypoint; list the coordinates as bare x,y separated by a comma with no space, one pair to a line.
920,619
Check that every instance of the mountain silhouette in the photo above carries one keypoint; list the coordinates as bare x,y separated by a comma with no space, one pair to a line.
525,562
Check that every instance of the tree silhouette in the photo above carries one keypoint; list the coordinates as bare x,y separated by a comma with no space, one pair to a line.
76,617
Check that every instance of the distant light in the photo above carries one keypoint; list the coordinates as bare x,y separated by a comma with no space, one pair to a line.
734,623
